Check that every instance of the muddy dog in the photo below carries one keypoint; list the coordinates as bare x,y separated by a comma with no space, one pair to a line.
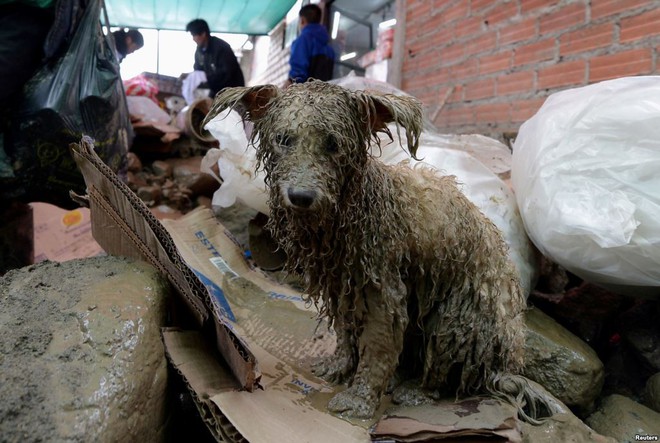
409,273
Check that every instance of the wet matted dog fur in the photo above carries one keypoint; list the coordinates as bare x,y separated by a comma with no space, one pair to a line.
408,272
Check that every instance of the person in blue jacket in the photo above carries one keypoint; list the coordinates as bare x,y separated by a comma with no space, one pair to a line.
311,53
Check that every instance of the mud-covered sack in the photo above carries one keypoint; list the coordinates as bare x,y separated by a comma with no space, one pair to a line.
79,93
586,173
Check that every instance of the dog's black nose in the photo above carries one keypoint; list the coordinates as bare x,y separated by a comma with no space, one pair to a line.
301,198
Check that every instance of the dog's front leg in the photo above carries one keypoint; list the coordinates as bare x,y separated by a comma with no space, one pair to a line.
340,366
379,347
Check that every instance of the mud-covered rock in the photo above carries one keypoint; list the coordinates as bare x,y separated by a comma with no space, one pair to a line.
652,392
645,343
134,163
561,362
564,427
162,168
624,419
81,354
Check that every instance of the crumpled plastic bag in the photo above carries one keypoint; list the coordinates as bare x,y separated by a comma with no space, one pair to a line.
143,108
237,164
450,154
190,83
586,173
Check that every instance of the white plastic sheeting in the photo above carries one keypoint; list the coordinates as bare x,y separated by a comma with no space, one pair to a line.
586,172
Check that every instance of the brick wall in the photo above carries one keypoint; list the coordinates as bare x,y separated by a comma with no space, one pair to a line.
485,66
277,67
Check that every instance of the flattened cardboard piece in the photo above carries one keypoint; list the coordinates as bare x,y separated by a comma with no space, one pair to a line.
190,355
473,419
286,338
123,225
61,235
277,413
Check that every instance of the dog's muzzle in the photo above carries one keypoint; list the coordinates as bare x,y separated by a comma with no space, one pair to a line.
301,198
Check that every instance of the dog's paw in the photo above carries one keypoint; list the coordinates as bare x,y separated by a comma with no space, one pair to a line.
352,403
335,369
410,393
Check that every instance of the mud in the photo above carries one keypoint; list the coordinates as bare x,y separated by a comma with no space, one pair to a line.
236,219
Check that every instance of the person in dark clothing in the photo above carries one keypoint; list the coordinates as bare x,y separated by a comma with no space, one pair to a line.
127,42
215,57
311,54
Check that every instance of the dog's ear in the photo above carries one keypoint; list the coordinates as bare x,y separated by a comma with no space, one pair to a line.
405,111
251,103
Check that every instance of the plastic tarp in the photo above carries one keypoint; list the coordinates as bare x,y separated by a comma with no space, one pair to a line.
585,172
257,17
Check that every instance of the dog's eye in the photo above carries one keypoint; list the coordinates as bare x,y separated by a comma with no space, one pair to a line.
283,140
331,145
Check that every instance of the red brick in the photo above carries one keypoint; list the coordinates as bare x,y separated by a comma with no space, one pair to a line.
562,74
516,82
587,39
640,26
456,95
434,78
429,79
504,12
495,63
439,76
455,116
467,27
427,60
414,47
420,58
432,28
633,62
465,70
518,32
493,112
562,19
427,96
536,6
480,89
534,52
451,54
605,8
416,84
480,44
416,10
421,81
454,13
480,6
522,110
440,97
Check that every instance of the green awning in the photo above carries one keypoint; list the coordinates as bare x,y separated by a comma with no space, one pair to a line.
256,17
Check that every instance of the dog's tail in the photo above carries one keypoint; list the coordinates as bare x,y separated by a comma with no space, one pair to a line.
534,403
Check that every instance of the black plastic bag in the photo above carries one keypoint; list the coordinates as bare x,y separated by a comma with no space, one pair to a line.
79,94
